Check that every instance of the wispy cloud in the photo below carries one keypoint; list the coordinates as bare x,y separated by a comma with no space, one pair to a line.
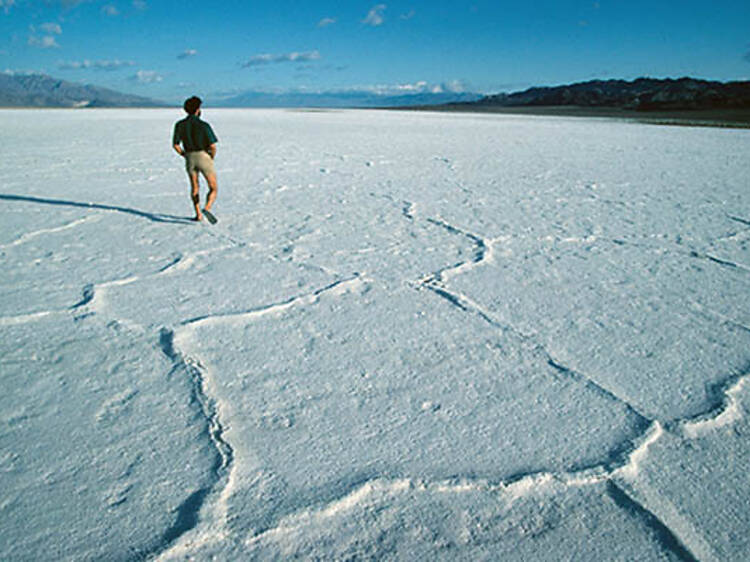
110,10
264,59
187,53
51,28
46,42
455,86
325,22
378,90
419,87
17,72
139,5
408,15
6,5
147,77
375,15
109,65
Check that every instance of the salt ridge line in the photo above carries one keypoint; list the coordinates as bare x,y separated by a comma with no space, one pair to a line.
684,250
182,261
91,291
729,413
95,292
27,318
435,282
31,235
692,305
720,261
338,287
665,535
707,312
618,479
407,208
740,220
520,486
483,252
173,342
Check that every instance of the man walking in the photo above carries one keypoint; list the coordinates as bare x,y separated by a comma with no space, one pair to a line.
194,140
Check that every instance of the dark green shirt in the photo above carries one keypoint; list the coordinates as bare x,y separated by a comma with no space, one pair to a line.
193,133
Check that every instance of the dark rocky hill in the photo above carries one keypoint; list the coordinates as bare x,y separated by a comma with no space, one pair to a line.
643,94
39,90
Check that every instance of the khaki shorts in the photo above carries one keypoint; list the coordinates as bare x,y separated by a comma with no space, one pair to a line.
199,161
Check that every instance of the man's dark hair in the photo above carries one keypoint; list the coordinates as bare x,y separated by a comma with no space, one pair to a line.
192,105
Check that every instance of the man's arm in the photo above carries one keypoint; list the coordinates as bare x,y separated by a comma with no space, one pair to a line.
177,139
211,150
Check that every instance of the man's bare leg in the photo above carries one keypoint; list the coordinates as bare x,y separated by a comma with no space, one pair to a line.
195,196
212,188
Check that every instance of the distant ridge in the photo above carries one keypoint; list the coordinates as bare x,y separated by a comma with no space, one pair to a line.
643,94
40,90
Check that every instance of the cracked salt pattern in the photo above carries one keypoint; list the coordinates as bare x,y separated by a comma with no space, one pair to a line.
410,336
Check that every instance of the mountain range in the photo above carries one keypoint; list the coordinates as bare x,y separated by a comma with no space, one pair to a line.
643,94
40,90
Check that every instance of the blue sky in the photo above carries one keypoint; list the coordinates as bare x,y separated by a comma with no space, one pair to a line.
166,49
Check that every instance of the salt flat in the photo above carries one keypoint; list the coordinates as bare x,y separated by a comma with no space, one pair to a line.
410,336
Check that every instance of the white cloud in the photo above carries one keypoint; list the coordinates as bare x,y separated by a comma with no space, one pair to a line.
110,10
139,5
46,42
358,91
51,28
408,15
325,22
95,65
454,86
147,77
419,87
375,15
187,53
260,60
